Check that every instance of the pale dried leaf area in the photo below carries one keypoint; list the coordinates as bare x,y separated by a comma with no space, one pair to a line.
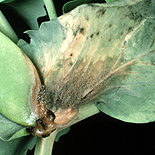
93,53
95,49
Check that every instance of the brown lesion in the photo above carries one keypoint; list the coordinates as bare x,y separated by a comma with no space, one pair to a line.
82,85
41,107
44,126
64,116
47,120
79,87
35,87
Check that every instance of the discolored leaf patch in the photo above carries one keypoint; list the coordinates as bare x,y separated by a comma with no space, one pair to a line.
101,53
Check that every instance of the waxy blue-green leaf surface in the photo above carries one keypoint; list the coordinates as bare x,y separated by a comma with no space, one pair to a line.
18,146
10,130
27,12
19,84
100,52
134,97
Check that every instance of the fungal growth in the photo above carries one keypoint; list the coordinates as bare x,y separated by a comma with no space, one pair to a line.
45,123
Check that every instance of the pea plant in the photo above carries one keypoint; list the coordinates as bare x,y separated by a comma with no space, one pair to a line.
56,71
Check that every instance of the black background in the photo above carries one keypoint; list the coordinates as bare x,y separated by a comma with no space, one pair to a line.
101,134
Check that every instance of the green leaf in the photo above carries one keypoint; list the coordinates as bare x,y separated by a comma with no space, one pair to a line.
73,4
27,12
50,7
6,28
18,146
101,53
110,1
20,84
132,99
10,130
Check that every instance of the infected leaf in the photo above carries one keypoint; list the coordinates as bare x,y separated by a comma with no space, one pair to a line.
21,93
102,53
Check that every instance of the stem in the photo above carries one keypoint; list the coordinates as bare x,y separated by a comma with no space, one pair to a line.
50,9
44,146
6,28
85,111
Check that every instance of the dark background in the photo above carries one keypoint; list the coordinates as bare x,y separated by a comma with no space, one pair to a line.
58,5
104,135
101,134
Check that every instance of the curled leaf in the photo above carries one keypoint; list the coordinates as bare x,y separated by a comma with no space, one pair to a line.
19,86
73,4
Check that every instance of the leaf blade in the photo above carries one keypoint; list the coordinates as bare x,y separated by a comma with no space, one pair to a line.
94,35
20,80
18,146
